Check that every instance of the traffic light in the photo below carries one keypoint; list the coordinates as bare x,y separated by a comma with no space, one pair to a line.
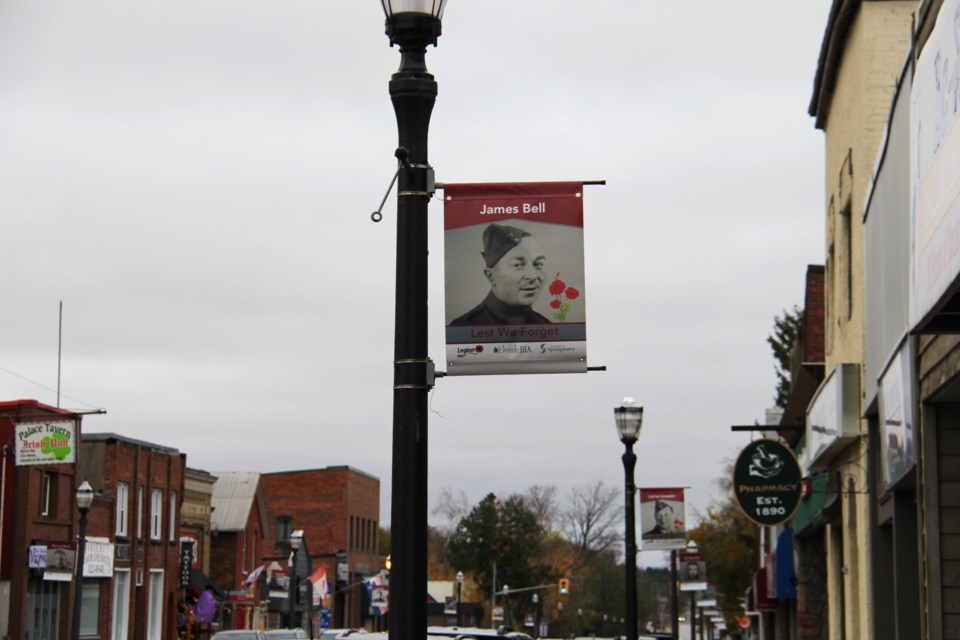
564,586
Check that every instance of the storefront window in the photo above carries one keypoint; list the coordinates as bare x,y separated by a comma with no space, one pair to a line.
43,610
90,610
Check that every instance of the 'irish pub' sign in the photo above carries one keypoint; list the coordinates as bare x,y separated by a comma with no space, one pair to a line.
52,442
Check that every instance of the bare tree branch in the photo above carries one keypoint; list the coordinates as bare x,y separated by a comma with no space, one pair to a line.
541,500
591,521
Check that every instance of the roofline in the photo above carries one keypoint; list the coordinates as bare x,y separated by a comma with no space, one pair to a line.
39,405
114,437
842,13
342,467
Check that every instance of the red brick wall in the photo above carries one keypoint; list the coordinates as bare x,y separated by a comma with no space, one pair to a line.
24,524
814,315
324,503
140,465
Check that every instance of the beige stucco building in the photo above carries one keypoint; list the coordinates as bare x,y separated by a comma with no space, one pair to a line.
862,54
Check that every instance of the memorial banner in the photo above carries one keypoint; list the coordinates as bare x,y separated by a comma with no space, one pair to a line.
515,296
692,571
662,519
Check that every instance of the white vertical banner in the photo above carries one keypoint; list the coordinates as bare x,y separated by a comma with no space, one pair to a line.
515,295
662,519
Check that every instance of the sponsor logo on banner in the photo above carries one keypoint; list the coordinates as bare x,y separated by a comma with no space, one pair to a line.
515,297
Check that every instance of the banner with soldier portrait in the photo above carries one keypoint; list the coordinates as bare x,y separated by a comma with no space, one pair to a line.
662,519
515,296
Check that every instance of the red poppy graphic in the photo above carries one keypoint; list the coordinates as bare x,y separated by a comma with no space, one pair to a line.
557,286
562,296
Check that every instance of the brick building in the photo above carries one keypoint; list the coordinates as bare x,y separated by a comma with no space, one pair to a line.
141,486
338,509
240,520
195,518
37,510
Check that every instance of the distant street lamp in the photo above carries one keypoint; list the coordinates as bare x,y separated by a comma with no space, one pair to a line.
84,501
629,418
692,548
506,606
296,539
411,24
459,595
536,616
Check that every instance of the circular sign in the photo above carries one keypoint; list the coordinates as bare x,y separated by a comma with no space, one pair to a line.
767,482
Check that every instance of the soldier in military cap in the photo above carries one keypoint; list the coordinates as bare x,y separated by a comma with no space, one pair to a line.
515,266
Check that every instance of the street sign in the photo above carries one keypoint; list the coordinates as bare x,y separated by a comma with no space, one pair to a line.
766,482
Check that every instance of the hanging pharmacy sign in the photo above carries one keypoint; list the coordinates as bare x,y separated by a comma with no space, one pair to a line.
53,442
767,482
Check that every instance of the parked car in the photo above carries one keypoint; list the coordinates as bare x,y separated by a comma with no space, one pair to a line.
238,634
475,632
285,634
326,634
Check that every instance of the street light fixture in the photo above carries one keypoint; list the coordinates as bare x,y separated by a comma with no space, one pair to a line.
459,595
692,548
536,616
296,540
411,24
506,607
84,502
629,418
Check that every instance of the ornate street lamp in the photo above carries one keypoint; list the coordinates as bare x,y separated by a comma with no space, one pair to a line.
412,25
629,418
84,501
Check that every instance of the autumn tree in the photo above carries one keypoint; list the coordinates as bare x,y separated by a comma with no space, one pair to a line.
728,540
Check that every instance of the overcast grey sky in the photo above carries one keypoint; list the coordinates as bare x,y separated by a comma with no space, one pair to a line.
194,181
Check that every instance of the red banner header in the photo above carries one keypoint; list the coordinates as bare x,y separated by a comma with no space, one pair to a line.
485,202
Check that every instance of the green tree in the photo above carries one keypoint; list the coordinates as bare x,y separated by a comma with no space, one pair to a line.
786,330
502,533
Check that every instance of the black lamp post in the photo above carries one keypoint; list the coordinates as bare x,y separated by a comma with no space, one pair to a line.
84,500
629,418
536,616
506,606
692,547
296,538
459,595
411,24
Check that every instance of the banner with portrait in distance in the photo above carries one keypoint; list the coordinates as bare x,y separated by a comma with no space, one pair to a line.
662,519
692,571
